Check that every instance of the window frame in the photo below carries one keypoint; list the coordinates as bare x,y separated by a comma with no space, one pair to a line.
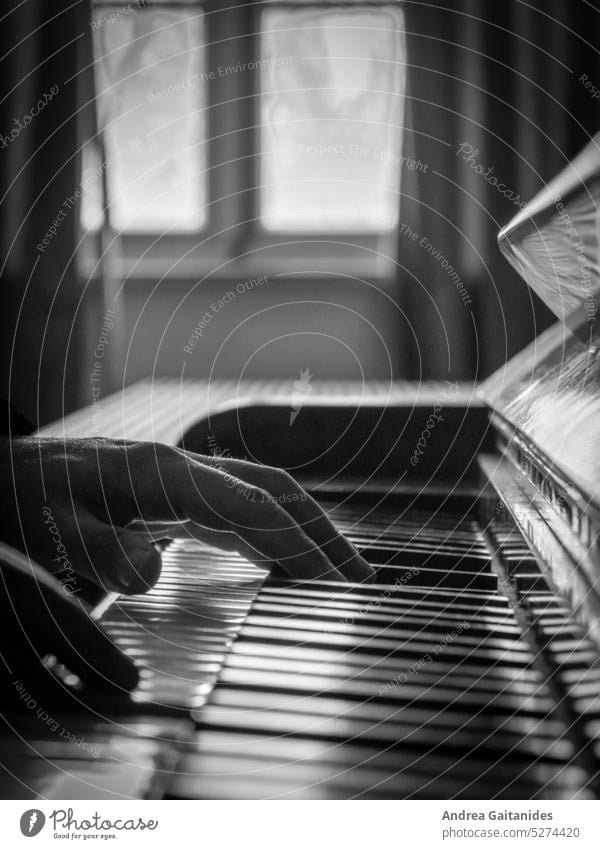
234,243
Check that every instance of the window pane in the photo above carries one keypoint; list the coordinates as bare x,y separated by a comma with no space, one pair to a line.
332,105
151,95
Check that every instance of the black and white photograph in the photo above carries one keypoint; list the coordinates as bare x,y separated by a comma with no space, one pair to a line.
300,422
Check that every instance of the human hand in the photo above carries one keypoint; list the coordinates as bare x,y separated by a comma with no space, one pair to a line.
93,506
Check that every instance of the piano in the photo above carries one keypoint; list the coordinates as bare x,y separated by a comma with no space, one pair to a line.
469,669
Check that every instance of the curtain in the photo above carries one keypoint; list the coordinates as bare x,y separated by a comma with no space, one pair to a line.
43,46
497,109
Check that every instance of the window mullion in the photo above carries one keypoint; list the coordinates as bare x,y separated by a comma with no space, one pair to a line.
230,145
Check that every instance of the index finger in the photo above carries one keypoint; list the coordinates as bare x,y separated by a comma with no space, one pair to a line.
309,515
181,487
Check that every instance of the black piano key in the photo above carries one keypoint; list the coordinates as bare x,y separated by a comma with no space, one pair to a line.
389,641
401,728
384,616
467,598
418,690
450,577
494,674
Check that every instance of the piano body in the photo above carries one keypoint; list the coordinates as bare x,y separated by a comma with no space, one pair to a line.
468,669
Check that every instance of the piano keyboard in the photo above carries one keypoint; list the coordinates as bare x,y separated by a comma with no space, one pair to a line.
457,674
181,630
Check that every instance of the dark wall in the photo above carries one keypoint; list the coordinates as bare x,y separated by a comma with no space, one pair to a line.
40,58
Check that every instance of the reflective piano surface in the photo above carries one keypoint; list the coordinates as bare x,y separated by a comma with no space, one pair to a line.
462,672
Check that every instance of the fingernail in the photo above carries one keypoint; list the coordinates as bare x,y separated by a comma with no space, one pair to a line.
120,577
137,573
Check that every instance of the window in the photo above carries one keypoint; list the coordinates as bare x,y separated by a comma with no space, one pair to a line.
330,116
152,106
229,128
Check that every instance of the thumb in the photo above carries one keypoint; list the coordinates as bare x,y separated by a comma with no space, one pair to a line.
117,559
126,563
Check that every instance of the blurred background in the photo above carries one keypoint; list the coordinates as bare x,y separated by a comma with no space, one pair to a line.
241,190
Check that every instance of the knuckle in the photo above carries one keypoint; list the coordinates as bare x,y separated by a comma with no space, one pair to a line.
253,508
279,479
259,496
166,453
147,452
